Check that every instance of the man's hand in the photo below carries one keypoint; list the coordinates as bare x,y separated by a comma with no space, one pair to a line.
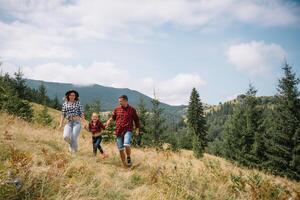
60,126
137,131
107,123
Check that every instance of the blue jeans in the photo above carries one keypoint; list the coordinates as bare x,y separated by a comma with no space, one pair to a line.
97,144
71,133
124,140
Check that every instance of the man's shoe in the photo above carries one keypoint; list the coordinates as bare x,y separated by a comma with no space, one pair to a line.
129,163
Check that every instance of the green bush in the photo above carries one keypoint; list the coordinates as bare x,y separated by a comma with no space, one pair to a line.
43,117
17,107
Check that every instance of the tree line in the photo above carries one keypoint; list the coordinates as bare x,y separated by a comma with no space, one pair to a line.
262,133
15,98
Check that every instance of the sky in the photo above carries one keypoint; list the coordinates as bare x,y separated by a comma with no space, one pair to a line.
170,46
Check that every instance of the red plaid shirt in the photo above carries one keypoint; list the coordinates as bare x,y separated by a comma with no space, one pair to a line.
96,128
124,118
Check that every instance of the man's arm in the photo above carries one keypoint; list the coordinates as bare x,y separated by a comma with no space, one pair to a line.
136,122
108,122
112,118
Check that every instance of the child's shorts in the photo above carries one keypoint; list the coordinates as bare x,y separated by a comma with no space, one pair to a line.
124,140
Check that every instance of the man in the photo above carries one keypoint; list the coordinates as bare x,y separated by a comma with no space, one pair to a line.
124,116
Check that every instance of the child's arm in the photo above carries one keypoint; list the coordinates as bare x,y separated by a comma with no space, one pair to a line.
103,127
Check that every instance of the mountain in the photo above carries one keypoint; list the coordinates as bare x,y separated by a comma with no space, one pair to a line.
108,96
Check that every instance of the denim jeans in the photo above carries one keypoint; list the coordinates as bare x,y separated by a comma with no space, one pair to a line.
71,133
97,144
124,140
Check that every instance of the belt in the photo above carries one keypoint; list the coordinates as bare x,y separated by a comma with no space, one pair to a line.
73,118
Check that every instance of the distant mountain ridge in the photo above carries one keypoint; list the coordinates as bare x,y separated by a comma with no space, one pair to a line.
108,96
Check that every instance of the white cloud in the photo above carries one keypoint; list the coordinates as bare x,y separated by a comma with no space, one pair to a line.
255,57
104,73
267,12
174,90
47,29
21,41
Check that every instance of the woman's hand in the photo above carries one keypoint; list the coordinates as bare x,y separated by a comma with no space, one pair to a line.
61,122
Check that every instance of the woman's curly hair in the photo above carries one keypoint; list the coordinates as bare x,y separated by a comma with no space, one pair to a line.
68,94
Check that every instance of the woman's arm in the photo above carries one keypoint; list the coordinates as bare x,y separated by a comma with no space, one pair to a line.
61,121
63,113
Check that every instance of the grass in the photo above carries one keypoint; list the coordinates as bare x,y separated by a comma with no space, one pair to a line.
39,157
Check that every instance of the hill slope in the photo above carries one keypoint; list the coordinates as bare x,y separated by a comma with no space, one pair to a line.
39,157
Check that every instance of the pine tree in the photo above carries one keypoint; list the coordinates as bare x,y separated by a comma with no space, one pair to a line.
157,126
232,135
283,149
90,108
55,103
143,114
43,117
252,135
244,136
11,103
20,86
42,94
144,119
197,123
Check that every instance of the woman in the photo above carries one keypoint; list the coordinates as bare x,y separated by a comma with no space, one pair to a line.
73,112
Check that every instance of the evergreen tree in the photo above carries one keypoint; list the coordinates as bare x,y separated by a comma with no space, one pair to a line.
197,123
144,119
90,108
20,86
283,149
156,126
232,135
55,103
43,117
11,103
42,94
243,136
252,142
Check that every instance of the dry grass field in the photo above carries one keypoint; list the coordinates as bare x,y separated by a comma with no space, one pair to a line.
38,158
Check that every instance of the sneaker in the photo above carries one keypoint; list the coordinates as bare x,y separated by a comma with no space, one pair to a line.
70,149
129,163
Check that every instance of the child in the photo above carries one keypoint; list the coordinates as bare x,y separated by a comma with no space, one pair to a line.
96,127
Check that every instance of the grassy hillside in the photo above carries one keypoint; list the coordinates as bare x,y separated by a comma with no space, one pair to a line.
39,158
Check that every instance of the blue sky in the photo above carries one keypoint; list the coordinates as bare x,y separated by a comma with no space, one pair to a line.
219,47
